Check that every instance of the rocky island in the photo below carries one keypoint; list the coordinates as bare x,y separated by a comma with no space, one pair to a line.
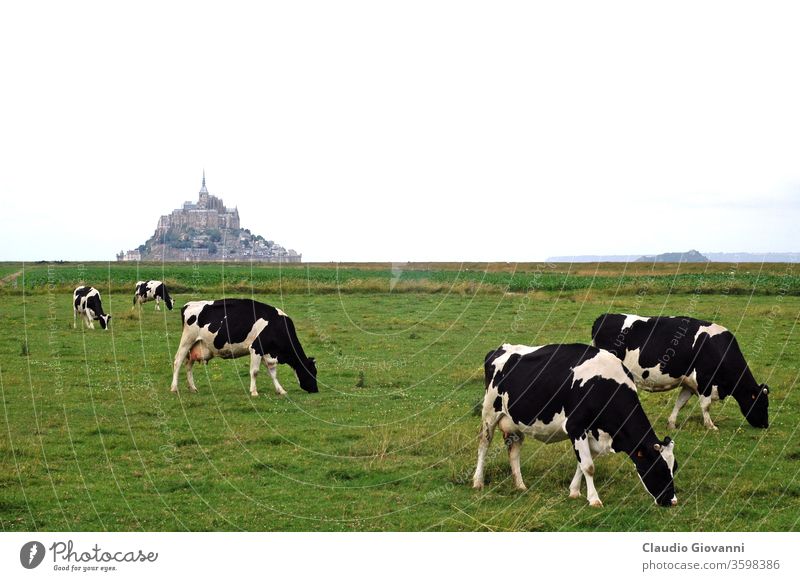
207,230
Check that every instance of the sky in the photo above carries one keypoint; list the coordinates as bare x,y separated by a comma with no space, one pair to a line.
394,131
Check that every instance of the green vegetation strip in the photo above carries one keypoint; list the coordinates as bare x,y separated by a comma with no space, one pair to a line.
237,277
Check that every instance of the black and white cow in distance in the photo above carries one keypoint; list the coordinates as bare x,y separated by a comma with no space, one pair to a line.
231,328
575,392
86,303
152,290
701,357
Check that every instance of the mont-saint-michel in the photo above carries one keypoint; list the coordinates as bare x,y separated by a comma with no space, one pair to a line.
207,230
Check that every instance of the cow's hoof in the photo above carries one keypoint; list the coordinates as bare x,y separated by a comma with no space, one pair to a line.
193,389
253,394
174,390
670,425
477,485
521,487
574,493
280,393
712,427
596,503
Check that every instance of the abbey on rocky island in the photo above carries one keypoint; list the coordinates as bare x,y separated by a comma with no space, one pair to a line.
207,231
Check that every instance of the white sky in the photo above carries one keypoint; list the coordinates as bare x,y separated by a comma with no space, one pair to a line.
498,131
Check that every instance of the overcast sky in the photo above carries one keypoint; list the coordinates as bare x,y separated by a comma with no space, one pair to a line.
496,131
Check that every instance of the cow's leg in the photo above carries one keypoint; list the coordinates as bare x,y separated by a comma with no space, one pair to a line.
181,355
488,424
158,306
74,318
575,485
586,463
683,397
255,364
272,367
514,443
705,403
88,320
190,375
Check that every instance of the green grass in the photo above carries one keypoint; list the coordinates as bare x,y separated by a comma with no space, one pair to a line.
465,278
91,438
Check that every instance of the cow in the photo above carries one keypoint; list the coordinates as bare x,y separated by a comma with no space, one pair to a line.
86,303
152,290
575,392
701,357
231,328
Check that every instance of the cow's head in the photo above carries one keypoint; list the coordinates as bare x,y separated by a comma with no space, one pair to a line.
307,375
656,465
754,406
104,321
170,303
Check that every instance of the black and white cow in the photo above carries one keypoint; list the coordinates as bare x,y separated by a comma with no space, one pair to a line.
575,392
152,290
702,357
231,328
86,303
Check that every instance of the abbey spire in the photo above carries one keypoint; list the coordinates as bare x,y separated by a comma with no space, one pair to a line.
203,189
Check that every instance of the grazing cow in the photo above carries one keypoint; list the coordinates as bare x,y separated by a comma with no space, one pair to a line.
86,302
231,328
152,290
704,358
555,392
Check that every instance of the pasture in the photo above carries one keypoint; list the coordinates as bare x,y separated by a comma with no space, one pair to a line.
92,439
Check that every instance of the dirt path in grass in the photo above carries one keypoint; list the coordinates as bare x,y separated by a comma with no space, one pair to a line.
9,278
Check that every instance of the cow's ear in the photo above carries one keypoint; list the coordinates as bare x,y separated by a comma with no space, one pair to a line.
667,440
765,389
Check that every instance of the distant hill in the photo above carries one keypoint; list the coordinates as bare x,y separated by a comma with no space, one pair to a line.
691,256
793,257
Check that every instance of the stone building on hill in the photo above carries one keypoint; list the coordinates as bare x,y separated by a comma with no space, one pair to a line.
208,212
207,230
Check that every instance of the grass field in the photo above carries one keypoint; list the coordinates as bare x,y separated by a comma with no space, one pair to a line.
92,439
